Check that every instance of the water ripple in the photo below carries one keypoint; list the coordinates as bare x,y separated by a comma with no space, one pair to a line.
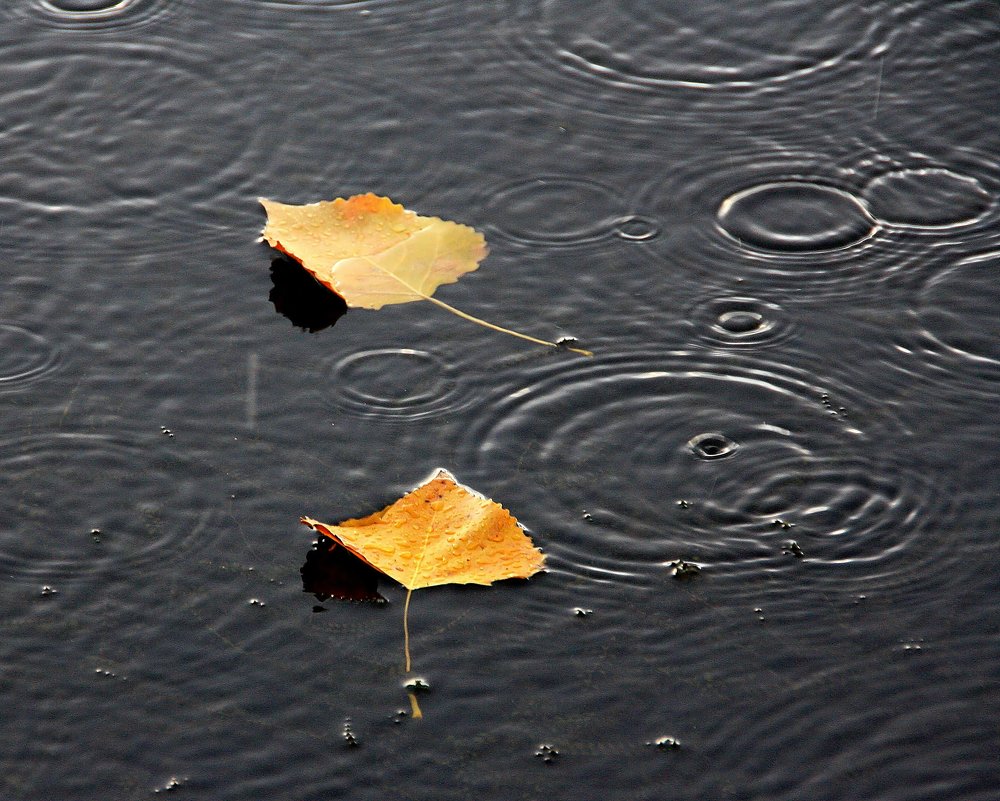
25,356
927,198
157,123
98,15
788,220
953,343
794,216
561,211
739,322
621,51
75,504
396,384
620,457
926,743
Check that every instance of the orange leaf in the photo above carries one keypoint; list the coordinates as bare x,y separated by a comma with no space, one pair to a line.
440,533
373,252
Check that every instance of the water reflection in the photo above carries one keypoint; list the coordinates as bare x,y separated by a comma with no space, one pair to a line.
298,296
331,571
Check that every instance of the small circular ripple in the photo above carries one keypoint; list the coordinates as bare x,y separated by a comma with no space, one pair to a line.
637,228
74,504
98,14
394,383
631,462
740,322
24,356
794,216
927,198
557,210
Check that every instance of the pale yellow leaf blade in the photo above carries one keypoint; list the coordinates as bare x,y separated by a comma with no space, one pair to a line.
412,269
319,234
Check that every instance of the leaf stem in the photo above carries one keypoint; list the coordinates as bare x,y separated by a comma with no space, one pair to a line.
406,629
503,330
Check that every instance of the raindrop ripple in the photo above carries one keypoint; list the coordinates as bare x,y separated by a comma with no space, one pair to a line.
631,49
638,440
25,356
395,384
146,502
96,15
927,198
561,211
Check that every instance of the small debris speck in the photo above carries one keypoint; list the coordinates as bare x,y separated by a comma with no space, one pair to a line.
579,611
682,570
547,753
665,743
48,591
172,784
416,685
794,549
350,740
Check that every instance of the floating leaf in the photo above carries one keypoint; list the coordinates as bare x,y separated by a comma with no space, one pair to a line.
373,252
440,533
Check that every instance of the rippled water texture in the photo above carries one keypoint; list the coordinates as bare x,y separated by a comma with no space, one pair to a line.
768,502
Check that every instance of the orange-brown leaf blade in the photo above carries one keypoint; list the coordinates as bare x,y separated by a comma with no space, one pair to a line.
440,533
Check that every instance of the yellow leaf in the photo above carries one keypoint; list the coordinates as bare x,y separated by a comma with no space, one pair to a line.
373,252
440,533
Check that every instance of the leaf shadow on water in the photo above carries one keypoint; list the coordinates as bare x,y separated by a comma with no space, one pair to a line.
331,571
298,296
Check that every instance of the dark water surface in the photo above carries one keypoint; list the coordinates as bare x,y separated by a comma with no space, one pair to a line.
776,225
